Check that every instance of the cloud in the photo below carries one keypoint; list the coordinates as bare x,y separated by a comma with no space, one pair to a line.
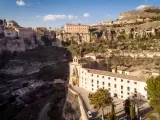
51,17
20,3
141,7
86,14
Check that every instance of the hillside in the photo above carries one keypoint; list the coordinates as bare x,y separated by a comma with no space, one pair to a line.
147,12
134,17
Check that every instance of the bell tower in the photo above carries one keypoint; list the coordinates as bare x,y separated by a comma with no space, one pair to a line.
74,73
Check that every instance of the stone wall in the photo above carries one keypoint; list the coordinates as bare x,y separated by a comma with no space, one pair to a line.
83,113
138,54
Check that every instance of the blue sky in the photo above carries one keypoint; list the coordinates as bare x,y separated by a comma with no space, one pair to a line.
56,13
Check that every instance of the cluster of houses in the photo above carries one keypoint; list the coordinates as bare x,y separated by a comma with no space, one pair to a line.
11,29
122,22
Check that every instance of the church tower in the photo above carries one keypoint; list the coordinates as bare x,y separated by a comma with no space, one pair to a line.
74,73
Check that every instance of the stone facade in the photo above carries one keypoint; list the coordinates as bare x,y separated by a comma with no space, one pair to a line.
25,32
73,28
10,32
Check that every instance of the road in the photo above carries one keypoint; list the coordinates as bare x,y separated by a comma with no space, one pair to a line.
43,114
84,94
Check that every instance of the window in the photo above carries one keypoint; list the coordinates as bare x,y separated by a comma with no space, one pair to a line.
102,76
121,87
121,96
103,83
135,95
92,85
128,93
97,82
115,86
109,78
97,75
135,82
92,89
121,80
97,86
109,89
121,92
109,84
92,80
128,81
103,87
135,90
92,74
114,78
128,88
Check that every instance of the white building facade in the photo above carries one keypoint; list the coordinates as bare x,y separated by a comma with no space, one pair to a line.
121,86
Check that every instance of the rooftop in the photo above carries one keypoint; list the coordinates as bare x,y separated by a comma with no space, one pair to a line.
75,25
90,54
129,77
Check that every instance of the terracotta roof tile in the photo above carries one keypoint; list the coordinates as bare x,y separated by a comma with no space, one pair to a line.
106,73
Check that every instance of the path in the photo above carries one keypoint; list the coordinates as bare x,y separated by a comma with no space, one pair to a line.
44,112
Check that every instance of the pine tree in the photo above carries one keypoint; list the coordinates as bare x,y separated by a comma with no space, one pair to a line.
132,112
115,69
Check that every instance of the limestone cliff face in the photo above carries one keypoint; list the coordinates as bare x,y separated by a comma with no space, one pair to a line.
19,45
71,109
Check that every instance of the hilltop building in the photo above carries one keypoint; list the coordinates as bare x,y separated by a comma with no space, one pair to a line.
25,32
121,84
75,32
74,28
40,31
10,32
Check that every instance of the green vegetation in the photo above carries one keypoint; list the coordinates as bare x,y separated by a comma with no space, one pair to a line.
112,114
101,99
132,112
153,90
84,48
115,69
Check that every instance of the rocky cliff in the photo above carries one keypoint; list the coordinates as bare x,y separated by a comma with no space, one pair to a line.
147,12
18,45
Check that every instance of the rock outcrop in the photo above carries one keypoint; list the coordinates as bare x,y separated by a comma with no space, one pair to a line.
71,109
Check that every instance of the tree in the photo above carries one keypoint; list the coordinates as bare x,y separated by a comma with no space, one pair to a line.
101,99
115,69
50,28
126,106
132,112
153,90
112,115
108,63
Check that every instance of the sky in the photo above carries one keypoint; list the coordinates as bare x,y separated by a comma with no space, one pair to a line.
56,13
